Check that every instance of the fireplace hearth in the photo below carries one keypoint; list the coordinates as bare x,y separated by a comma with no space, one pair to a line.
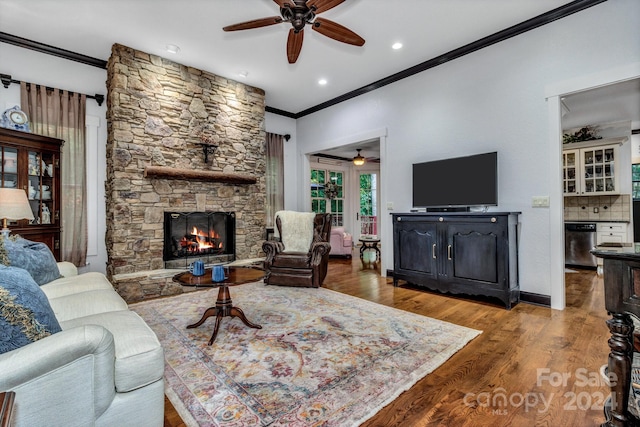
206,236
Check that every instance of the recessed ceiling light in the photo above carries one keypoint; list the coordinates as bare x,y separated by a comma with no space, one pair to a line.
172,48
396,46
243,74
322,82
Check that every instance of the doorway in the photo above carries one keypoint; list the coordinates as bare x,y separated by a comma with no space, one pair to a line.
615,100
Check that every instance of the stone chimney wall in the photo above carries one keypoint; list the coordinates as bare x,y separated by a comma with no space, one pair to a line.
159,113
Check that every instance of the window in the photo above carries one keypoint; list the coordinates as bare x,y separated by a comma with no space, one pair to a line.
325,185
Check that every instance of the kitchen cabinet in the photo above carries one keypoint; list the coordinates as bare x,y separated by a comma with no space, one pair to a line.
460,253
589,169
32,162
611,232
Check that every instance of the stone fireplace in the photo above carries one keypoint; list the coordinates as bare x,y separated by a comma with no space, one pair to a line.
206,236
161,117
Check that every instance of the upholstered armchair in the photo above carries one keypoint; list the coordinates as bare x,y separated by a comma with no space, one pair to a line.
301,255
341,242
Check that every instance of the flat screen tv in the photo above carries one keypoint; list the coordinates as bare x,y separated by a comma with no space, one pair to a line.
456,182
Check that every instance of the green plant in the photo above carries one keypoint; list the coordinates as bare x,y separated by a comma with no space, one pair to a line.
586,133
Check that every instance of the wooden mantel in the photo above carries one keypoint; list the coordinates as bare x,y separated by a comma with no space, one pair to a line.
198,175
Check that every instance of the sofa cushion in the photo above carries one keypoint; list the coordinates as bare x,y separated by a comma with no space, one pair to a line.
139,355
91,281
25,313
86,303
35,257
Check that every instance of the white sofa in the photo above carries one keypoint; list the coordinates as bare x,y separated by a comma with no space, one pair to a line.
105,368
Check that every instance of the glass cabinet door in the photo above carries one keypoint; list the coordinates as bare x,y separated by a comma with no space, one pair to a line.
41,172
599,170
570,172
9,167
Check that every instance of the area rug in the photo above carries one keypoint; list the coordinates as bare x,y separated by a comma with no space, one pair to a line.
321,357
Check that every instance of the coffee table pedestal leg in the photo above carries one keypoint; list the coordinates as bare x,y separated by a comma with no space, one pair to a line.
223,308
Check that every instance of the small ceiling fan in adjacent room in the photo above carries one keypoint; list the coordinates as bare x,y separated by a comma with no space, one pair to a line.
300,13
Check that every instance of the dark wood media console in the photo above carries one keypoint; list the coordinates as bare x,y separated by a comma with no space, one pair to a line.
460,253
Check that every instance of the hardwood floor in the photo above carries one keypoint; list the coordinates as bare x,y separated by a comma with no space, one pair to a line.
531,366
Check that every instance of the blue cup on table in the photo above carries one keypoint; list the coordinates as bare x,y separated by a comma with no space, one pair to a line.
197,268
217,273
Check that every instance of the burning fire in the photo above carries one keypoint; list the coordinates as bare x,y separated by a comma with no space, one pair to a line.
200,240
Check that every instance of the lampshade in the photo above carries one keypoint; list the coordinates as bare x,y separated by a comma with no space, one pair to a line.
358,160
14,205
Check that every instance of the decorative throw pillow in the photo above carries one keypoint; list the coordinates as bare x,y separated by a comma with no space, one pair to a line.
35,257
25,313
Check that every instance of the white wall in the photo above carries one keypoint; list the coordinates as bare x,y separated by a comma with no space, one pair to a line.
491,100
47,70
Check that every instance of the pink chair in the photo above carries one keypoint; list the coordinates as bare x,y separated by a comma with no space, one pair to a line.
341,242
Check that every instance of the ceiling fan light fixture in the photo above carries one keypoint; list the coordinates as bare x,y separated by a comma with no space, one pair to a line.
358,160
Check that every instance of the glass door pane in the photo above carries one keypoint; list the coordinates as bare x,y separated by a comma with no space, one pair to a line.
9,167
367,217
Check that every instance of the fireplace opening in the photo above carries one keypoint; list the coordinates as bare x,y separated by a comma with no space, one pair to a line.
207,236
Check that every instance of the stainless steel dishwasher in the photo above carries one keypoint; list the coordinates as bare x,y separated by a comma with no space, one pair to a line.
579,239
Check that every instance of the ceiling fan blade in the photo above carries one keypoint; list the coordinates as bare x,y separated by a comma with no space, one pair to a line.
337,32
322,5
294,45
283,3
256,23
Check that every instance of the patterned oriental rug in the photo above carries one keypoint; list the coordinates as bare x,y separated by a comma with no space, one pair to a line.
321,357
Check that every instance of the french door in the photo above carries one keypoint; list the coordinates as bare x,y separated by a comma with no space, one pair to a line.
327,194
367,215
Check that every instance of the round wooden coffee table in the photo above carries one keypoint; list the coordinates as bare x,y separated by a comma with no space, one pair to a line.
224,306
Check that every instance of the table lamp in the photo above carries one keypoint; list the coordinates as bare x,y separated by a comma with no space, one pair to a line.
14,205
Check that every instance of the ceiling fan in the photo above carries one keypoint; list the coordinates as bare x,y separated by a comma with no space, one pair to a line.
300,13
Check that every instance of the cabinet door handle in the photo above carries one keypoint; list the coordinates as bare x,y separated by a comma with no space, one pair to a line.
449,252
433,251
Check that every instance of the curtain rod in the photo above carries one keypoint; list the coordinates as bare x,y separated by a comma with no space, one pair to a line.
7,80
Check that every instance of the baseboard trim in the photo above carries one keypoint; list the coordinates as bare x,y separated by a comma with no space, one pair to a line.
527,297
537,299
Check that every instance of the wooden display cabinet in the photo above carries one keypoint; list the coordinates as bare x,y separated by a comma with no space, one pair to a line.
32,162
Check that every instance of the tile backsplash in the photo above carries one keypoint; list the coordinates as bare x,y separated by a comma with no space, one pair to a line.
610,208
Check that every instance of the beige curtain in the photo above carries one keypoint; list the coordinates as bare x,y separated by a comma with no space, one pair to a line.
61,114
275,176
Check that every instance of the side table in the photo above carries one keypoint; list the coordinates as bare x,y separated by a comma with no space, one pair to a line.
369,243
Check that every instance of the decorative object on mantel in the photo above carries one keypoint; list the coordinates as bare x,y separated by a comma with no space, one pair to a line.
199,175
208,146
15,118
585,133
330,190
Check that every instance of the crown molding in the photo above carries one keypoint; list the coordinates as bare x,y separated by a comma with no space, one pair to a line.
515,30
